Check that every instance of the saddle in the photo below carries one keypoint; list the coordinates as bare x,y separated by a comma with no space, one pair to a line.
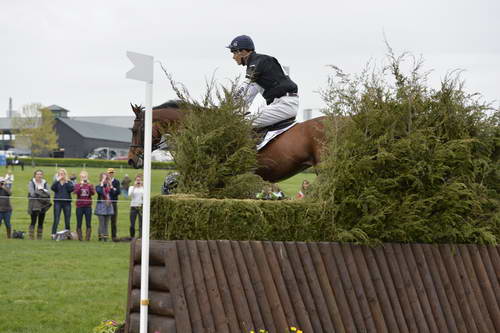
274,127
261,134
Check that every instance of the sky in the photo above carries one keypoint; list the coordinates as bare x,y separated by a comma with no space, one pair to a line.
73,53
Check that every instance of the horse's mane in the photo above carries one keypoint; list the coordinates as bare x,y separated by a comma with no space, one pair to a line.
174,104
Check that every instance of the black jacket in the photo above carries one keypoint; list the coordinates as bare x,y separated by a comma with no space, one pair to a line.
266,71
5,200
62,192
114,194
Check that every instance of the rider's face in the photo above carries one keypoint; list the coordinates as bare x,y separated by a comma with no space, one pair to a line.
240,56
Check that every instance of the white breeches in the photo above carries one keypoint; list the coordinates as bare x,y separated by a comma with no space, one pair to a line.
280,109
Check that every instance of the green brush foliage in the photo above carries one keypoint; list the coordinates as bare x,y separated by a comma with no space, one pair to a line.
213,148
188,217
407,163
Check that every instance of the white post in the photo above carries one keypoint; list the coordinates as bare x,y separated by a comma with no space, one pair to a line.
143,71
148,123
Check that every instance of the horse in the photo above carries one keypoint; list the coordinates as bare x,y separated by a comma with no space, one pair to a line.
295,150
12,162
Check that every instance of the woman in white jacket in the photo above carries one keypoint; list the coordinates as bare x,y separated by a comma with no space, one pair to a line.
135,194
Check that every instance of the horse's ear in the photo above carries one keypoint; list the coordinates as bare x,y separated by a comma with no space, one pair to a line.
136,109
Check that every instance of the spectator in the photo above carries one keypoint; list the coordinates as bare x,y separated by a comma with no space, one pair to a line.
277,192
170,183
9,179
115,183
266,194
136,193
84,192
104,207
5,207
38,203
303,189
62,188
125,185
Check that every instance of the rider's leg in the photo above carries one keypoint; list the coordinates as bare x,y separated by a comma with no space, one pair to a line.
280,109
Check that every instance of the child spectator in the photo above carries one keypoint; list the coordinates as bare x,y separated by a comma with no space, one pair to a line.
84,192
136,193
303,189
5,207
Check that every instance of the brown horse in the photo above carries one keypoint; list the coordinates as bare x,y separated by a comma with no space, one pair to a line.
288,154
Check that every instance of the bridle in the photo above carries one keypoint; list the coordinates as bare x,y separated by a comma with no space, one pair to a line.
162,142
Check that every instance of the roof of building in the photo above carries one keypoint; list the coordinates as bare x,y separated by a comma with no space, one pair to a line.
120,121
245,286
98,131
55,107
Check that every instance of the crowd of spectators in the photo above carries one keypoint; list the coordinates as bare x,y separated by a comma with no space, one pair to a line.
273,192
42,196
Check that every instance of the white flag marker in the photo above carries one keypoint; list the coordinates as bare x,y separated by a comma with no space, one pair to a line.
143,71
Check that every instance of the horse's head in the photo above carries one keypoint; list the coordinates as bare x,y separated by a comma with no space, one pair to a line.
163,116
136,150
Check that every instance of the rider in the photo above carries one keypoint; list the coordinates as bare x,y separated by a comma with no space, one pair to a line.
265,75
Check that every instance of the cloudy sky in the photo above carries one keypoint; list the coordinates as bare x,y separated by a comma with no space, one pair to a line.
73,53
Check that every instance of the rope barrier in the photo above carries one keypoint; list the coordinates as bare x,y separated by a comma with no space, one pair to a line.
52,199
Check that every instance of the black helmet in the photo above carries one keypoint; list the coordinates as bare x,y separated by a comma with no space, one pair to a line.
242,42
170,183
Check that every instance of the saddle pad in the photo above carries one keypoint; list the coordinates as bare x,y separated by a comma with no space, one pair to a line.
271,135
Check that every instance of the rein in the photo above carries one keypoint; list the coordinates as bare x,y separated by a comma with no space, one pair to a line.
155,146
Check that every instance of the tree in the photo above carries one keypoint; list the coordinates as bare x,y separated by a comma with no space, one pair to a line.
35,130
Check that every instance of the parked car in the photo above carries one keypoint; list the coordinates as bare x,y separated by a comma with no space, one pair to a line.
107,153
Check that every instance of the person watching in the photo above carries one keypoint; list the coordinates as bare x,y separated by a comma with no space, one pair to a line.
84,191
5,207
115,184
104,207
136,194
38,203
9,179
62,188
303,189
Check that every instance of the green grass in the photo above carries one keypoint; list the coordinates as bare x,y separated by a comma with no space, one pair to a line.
61,287
68,286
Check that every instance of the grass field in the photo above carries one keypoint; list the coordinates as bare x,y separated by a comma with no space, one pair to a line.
69,286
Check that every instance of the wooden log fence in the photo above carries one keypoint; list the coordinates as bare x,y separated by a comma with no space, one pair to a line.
245,286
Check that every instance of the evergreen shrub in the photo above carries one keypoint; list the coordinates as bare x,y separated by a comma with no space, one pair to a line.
213,147
408,163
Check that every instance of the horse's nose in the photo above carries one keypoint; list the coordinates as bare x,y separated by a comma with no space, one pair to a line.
131,162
